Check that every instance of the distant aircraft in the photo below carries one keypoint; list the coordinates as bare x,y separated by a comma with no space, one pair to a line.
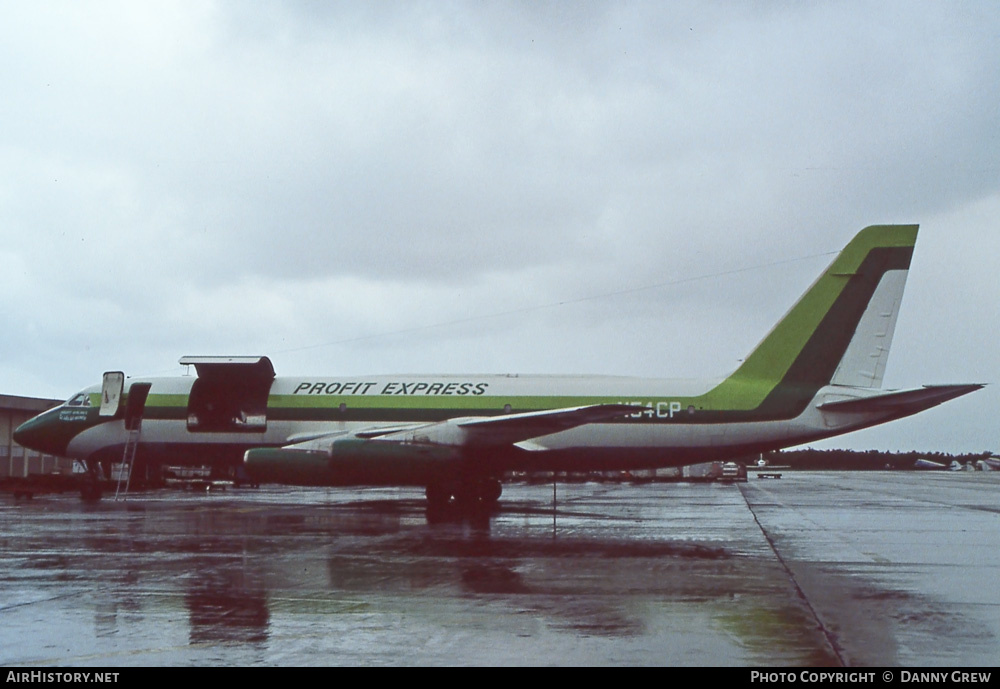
989,464
817,374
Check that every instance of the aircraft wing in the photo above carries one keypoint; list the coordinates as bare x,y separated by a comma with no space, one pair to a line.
409,454
469,431
507,429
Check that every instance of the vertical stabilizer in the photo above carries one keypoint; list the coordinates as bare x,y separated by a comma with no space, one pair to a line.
838,332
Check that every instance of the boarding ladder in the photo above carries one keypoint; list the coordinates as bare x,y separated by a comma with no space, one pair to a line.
128,459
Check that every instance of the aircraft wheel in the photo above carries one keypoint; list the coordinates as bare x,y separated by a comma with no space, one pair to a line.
480,494
470,496
439,495
490,490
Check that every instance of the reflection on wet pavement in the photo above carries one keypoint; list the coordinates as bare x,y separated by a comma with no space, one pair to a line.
677,574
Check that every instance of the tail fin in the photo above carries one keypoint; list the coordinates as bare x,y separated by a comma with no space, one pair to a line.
838,332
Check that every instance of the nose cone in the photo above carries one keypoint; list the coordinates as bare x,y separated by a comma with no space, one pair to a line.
42,434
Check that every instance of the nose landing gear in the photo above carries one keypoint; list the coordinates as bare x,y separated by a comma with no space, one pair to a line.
90,490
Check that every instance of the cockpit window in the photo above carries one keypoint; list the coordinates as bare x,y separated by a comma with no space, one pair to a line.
79,400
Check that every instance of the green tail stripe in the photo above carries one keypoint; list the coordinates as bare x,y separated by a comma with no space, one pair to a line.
802,352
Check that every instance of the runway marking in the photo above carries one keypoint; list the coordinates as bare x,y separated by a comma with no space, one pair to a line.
791,577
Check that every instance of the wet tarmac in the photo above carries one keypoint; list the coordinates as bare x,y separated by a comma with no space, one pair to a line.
813,569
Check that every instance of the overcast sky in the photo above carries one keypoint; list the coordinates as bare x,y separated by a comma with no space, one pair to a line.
619,188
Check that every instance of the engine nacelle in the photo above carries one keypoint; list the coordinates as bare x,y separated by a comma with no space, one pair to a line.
352,461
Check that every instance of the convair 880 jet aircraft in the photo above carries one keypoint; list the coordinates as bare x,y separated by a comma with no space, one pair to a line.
817,374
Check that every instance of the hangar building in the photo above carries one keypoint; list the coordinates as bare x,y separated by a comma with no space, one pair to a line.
17,461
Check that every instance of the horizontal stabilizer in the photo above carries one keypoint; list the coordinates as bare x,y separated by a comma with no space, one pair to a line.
902,401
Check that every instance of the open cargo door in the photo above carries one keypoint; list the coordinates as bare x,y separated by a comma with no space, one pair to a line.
230,395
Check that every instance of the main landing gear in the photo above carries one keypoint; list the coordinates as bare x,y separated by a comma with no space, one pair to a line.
470,495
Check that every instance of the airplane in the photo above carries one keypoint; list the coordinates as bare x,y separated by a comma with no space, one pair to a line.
817,374
930,465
